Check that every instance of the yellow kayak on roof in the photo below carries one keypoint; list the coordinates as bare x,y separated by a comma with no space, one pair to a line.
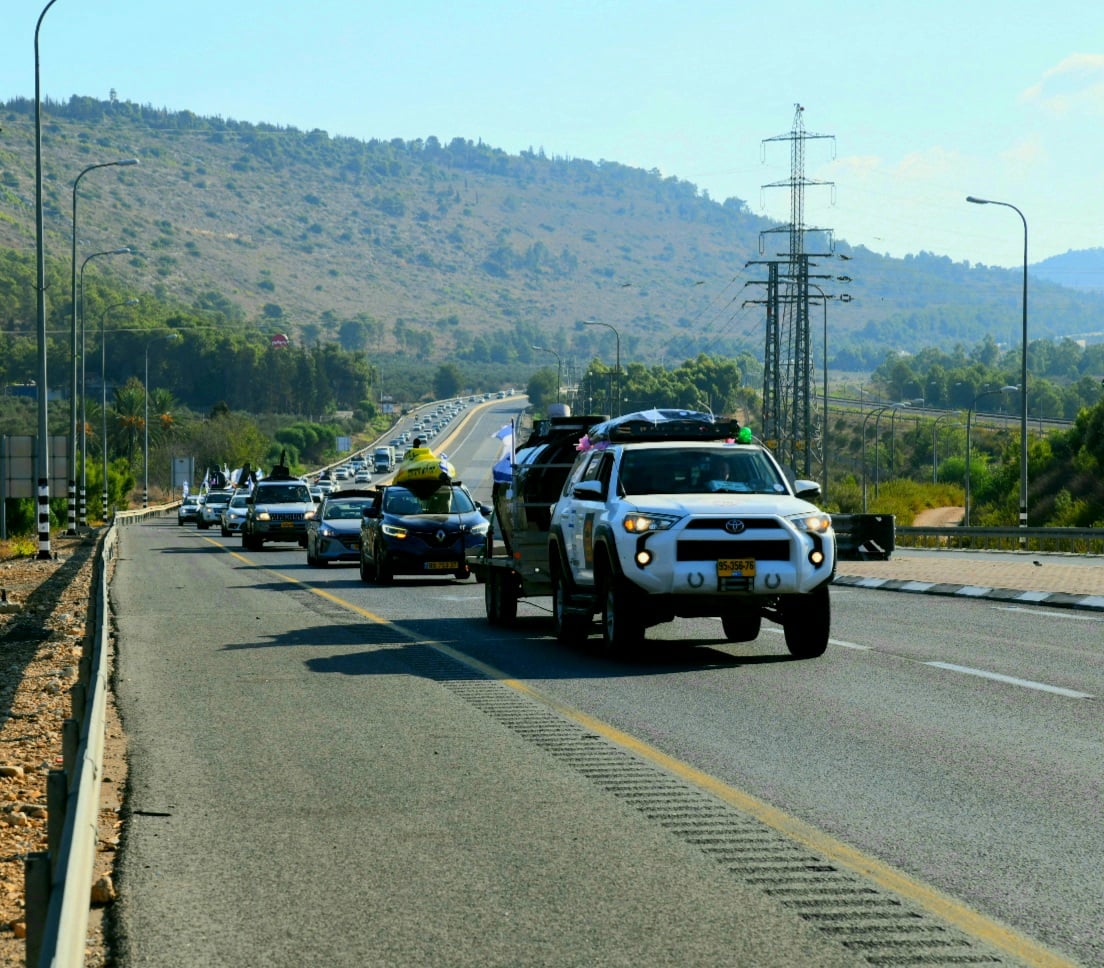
421,465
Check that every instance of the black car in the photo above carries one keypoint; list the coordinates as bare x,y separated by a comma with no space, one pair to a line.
418,531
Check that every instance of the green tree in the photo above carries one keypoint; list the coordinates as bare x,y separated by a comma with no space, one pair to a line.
447,381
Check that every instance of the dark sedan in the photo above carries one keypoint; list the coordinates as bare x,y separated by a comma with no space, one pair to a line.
334,533
414,531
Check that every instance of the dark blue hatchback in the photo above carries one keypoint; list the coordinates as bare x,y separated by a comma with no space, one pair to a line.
411,530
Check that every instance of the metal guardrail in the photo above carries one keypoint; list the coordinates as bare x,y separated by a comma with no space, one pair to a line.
59,880
1083,541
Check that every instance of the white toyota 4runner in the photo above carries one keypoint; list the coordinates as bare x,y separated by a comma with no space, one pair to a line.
666,514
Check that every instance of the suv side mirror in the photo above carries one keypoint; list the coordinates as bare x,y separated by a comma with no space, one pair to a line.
807,490
588,491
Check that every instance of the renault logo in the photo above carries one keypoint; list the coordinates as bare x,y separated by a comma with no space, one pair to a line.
735,526
441,535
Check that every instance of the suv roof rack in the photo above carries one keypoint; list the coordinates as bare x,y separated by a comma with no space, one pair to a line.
662,425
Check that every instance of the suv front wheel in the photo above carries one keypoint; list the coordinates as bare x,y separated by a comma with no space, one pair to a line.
807,623
622,628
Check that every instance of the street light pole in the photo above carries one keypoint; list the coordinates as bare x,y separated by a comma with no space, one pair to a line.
73,347
145,419
83,503
103,390
617,337
559,368
1023,364
877,412
824,368
43,458
935,445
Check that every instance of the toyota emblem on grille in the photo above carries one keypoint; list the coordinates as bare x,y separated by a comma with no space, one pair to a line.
735,526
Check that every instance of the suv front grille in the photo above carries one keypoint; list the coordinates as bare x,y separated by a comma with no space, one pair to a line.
757,548
718,524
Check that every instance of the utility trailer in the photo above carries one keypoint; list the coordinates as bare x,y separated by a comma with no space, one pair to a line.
513,563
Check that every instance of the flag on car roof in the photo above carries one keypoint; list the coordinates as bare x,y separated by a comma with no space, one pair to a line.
503,470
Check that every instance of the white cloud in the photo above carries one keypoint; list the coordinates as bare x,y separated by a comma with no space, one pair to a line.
1076,84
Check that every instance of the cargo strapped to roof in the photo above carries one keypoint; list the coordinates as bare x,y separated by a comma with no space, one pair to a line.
663,425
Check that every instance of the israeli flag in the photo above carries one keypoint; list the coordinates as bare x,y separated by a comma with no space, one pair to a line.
503,470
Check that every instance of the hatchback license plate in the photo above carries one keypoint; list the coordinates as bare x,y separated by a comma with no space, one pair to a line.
736,568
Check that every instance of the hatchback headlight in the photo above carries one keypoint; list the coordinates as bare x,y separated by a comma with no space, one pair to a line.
641,523
813,523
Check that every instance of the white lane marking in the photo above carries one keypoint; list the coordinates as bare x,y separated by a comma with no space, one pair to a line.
1036,613
840,642
1010,680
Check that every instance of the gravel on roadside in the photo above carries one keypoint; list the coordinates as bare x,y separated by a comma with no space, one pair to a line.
44,611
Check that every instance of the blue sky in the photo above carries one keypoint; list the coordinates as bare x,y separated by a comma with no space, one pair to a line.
927,102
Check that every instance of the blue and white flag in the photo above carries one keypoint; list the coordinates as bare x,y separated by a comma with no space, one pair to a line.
503,470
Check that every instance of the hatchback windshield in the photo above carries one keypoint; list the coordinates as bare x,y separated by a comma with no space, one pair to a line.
443,500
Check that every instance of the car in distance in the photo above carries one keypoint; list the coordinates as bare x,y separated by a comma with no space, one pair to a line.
279,509
233,514
334,532
188,510
415,531
210,512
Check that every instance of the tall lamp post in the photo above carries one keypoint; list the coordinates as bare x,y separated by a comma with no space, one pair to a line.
875,412
103,388
824,368
1023,363
42,463
83,503
145,419
969,420
559,367
617,336
935,445
73,347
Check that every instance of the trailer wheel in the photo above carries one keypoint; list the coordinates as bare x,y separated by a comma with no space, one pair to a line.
500,597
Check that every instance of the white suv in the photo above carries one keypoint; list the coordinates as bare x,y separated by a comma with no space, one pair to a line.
674,517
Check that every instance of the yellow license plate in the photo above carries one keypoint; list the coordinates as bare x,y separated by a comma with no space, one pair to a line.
736,568
441,565
287,524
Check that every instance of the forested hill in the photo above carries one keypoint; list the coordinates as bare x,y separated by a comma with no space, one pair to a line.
454,251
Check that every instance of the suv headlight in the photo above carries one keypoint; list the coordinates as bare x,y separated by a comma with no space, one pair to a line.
643,522
393,531
813,523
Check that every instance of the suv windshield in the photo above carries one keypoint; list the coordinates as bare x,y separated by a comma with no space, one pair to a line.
698,471
283,494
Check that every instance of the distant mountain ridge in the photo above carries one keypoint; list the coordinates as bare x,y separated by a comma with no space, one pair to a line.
1076,269
460,250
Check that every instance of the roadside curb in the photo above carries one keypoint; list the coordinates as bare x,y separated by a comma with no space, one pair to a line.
1054,599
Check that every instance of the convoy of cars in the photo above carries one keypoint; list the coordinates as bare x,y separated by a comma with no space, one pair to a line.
636,520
